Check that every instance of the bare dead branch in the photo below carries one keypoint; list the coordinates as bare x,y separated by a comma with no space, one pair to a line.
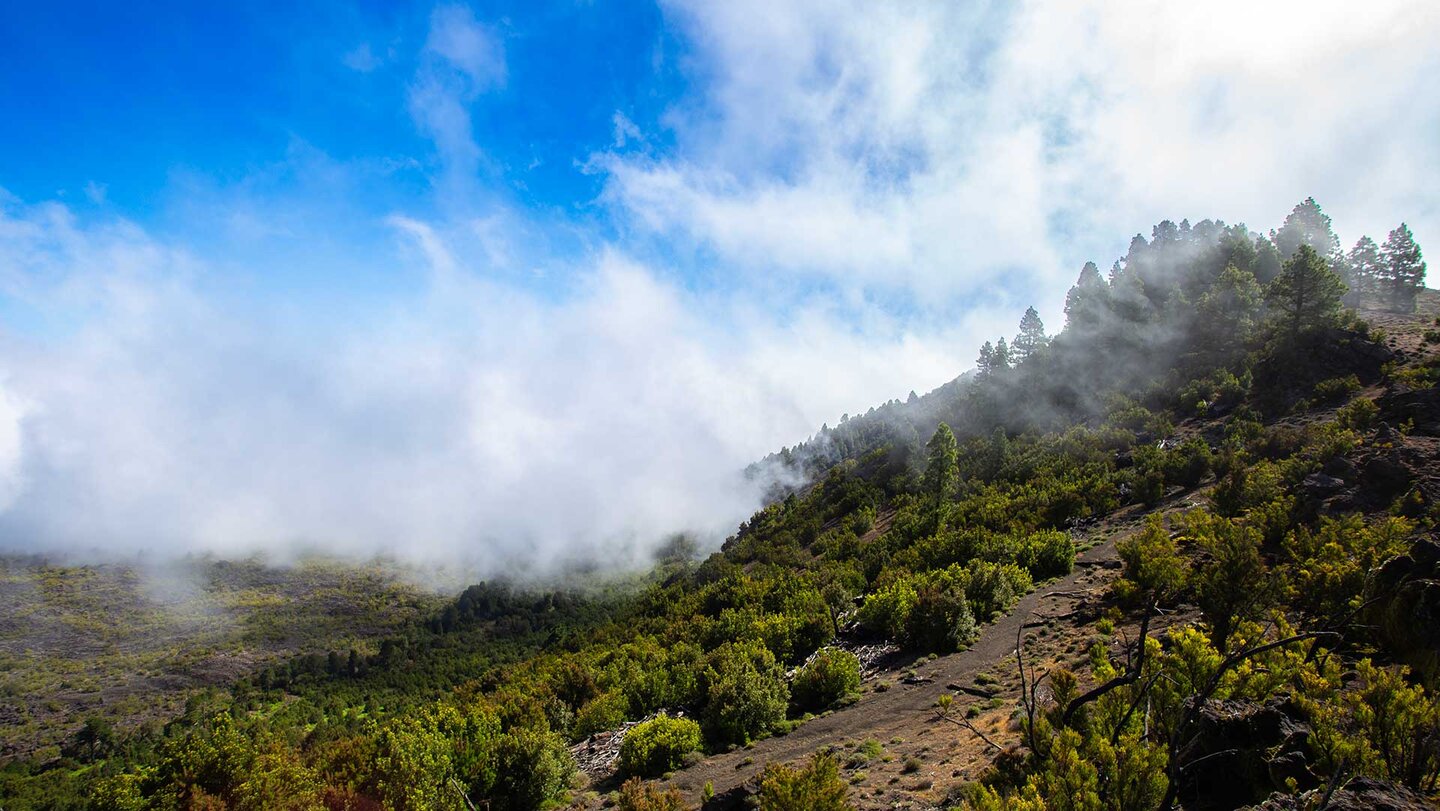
1335,782
1134,667
965,722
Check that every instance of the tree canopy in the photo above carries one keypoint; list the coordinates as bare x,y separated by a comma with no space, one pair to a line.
1307,293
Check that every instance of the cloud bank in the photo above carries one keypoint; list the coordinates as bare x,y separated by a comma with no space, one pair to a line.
846,200
471,421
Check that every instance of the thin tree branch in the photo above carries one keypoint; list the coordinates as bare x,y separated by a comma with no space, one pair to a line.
1134,705
1134,667
965,722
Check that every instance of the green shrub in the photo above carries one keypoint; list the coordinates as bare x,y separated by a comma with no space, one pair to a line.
1148,486
533,770
1386,728
411,763
1233,583
1047,554
1243,487
862,520
745,691
1358,415
885,612
659,745
815,787
1153,568
831,676
942,619
121,792
1188,464
964,629
866,752
940,610
1220,390
993,588
606,711
1328,565
1336,389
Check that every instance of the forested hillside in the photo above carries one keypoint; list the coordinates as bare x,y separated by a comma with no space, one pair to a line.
1243,381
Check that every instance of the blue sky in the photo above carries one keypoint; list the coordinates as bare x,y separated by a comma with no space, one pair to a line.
127,95
517,282
152,111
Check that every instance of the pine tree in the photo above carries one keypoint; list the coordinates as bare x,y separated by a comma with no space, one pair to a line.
1227,312
1127,298
1267,261
1307,292
1002,356
1085,303
1031,337
1236,249
1306,225
1366,269
985,364
941,469
1405,269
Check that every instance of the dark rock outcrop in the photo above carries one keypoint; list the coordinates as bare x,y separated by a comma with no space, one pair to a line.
1360,794
1290,374
1322,484
1405,607
1241,753
1421,407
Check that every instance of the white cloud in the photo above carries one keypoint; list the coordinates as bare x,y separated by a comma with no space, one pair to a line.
472,48
12,414
462,59
935,148
961,159
96,192
472,422
625,129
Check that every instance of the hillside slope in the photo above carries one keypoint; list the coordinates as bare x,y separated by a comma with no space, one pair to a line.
924,760
1254,454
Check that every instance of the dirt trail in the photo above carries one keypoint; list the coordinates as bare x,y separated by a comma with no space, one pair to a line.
922,754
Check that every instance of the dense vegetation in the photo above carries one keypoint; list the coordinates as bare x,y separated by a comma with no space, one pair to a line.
921,522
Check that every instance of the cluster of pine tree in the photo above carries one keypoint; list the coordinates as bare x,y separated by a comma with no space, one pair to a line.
1388,276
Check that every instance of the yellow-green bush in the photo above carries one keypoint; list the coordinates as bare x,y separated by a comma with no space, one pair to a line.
816,786
659,745
828,678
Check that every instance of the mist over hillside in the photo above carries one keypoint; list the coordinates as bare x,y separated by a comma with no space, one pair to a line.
407,310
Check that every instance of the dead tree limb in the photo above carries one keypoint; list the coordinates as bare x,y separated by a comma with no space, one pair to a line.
965,722
1134,667
1336,780
1029,690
